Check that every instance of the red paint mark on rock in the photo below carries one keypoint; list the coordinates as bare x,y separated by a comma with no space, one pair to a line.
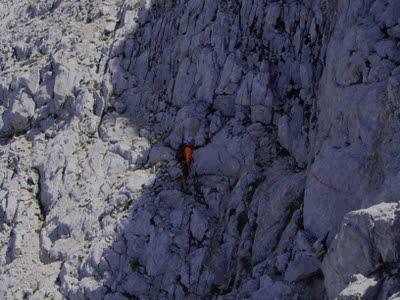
327,185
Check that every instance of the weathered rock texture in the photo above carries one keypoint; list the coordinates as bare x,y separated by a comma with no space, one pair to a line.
294,107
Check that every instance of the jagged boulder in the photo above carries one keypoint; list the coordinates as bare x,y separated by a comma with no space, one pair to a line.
366,244
22,110
360,287
66,78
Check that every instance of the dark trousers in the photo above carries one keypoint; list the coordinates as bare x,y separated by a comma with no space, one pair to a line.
185,169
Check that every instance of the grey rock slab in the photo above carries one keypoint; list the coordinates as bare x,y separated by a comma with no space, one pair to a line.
230,77
225,105
366,239
183,90
22,110
395,296
225,154
198,224
329,194
302,267
274,204
66,77
360,288
160,154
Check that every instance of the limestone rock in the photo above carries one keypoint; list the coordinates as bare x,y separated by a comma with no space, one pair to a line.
302,267
360,288
22,110
367,240
274,203
293,107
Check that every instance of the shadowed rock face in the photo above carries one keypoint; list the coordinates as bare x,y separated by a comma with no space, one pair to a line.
294,108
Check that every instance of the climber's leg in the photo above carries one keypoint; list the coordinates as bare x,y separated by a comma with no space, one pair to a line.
185,171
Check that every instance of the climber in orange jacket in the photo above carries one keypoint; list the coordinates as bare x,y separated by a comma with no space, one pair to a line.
185,155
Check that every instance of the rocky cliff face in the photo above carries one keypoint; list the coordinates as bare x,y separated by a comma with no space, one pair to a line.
294,107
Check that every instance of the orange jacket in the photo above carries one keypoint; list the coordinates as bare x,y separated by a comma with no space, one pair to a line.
187,155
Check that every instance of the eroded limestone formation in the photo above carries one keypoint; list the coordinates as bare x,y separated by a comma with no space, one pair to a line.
294,108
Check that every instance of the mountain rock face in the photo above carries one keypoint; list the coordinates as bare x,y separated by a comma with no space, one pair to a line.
293,193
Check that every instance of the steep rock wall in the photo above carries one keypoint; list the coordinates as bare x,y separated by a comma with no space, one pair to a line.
294,109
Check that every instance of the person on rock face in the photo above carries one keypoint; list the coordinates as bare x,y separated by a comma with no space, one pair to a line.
185,155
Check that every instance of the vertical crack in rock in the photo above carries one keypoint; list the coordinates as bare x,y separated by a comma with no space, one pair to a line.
42,216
